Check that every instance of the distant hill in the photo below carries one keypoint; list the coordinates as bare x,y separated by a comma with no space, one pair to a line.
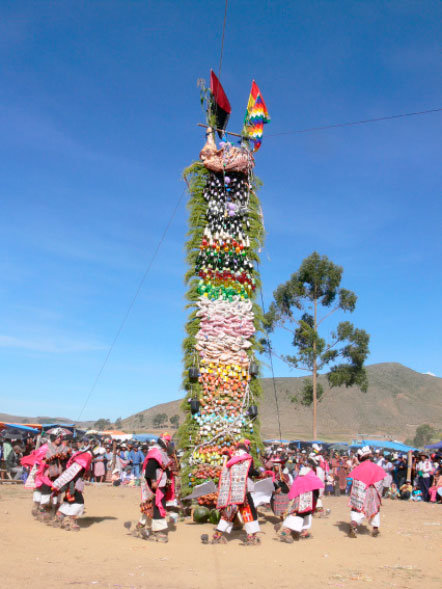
398,400
7,418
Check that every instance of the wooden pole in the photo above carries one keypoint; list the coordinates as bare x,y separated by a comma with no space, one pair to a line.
222,131
114,455
315,405
410,462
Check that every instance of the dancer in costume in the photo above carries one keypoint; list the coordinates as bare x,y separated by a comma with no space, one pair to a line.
282,480
51,467
157,489
234,496
303,497
321,468
34,461
365,495
71,482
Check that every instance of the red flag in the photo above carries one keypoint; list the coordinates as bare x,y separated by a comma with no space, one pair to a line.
220,106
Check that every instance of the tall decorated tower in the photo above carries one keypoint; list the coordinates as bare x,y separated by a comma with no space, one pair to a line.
224,239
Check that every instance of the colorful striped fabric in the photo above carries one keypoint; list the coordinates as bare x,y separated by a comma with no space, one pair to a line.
256,117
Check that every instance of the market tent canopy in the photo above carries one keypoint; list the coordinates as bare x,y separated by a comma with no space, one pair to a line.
117,435
386,444
276,441
145,437
46,426
18,427
437,446
339,445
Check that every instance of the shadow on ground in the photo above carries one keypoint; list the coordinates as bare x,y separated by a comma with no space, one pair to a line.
85,522
344,527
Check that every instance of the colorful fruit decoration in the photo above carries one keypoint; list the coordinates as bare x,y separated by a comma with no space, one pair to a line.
225,235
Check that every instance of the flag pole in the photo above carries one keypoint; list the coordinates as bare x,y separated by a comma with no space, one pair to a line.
222,131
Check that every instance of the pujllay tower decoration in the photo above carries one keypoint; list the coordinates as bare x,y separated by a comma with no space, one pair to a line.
225,235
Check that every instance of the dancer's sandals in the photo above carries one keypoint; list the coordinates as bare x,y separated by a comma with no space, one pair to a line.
57,522
74,527
252,540
286,537
44,516
158,537
218,539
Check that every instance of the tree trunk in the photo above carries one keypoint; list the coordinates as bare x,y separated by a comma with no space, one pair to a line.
315,369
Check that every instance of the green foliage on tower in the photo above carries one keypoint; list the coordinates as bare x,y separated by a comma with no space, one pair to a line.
196,177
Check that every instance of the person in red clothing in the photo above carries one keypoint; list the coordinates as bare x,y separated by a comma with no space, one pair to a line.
366,491
157,488
234,496
71,482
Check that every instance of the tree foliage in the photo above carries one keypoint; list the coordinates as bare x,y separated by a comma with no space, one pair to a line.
306,397
175,421
159,419
102,424
313,289
424,435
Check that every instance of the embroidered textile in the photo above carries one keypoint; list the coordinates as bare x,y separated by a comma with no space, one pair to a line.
146,493
280,503
30,481
67,476
246,513
303,503
233,484
357,495
372,501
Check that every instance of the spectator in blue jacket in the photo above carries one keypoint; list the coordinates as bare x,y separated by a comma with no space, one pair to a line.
136,459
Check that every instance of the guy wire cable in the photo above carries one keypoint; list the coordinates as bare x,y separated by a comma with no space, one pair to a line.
353,123
222,41
134,298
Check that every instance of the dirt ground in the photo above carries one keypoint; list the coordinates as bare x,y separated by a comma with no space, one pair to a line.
102,554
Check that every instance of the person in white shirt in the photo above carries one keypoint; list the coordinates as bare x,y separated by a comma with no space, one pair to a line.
425,469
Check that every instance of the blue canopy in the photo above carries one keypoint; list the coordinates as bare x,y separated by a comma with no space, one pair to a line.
276,441
145,437
23,428
386,444
436,446
45,426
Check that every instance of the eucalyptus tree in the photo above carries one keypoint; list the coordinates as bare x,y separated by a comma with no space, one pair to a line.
301,305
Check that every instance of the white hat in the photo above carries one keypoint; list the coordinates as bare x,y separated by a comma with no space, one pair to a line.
365,451
316,447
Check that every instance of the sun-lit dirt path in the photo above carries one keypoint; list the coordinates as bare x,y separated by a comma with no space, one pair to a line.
33,555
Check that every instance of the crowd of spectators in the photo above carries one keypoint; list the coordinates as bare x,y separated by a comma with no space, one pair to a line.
121,463
123,468
423,482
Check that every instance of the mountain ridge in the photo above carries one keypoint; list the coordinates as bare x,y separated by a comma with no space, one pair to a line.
398,400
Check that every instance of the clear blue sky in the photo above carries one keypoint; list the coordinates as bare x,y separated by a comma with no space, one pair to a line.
98,113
